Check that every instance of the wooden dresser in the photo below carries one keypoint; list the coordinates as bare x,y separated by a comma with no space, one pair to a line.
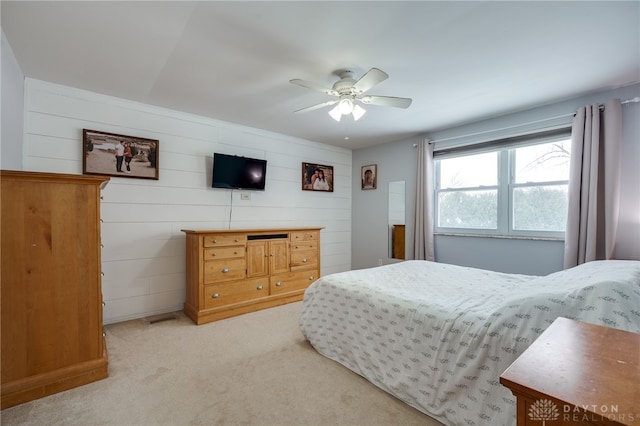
577,373
232,272
52,337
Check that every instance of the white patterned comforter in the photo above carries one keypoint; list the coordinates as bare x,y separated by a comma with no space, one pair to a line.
438,336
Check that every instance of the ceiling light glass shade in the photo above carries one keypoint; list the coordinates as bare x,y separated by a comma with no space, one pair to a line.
345,106
358,112
335,113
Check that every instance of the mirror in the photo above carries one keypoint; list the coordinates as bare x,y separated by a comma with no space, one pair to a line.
396,219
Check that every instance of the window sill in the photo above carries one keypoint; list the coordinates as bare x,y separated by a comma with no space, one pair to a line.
500,236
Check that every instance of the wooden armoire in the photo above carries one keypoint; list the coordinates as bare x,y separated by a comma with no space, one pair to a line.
52,336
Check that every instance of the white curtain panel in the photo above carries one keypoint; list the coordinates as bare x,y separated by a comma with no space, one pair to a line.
594,183
423,237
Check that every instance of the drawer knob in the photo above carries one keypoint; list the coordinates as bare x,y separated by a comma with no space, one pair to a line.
311,277
215,241
225,270
304,260
259,287
278,284
215,295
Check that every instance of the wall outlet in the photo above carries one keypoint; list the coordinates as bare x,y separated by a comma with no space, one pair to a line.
245,196
379,262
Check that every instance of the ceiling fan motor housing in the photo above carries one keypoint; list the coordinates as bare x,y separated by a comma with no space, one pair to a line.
344,86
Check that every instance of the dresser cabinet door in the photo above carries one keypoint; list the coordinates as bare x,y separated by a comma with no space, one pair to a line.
257,258
278,256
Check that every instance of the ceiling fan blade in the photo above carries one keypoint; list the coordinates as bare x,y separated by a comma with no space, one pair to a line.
371,78
314,107
386,101
312,86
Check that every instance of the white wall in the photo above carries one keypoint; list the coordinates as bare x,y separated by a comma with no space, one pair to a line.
143,257
12,109
396,161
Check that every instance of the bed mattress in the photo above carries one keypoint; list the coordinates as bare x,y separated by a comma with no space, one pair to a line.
438,336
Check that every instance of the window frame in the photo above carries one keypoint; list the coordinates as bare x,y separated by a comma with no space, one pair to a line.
506,184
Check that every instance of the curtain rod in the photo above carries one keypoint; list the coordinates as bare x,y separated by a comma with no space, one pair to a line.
628,101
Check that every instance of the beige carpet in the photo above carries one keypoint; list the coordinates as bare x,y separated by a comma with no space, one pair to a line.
254,369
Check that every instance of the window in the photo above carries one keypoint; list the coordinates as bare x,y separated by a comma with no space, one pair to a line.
517,189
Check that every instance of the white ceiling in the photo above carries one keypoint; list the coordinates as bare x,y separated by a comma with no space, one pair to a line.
232,61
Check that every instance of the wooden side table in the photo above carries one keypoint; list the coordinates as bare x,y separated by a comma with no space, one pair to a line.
577,373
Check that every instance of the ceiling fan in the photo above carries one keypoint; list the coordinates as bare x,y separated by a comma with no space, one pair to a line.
349,91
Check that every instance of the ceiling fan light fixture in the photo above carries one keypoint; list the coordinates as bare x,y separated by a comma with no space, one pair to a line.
335,113
348,90
358,112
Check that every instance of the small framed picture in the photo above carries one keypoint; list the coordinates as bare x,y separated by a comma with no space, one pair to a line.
119,155
369,175
316,177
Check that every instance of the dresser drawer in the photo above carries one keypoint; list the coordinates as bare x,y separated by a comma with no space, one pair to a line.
228,252
292,281
216,295
297,236
224,270
304,259
305,245
224,240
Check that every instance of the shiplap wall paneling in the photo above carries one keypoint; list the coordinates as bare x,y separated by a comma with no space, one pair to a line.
143,255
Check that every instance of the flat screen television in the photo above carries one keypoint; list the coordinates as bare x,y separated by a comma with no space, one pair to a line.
234,172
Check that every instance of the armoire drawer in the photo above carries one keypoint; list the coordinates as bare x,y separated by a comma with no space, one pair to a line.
298,236
217,295
225,252
304,259
292,281
224,270
304,245
224,240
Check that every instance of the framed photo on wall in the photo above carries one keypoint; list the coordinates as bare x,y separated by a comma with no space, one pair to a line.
369,175
111,154
317,177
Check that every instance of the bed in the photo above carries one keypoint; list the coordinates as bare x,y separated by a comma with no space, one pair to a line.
438,336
